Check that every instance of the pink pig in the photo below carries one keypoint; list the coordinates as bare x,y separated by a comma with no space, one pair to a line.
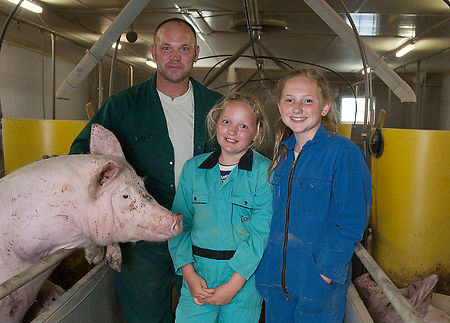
87,201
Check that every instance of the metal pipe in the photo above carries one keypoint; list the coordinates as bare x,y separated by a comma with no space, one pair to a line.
400,88
131,75
416,123
227,64
113,69
401,305
82,44
99,49
8,21
100,85
32,272
43,74
53,37
243,83
269,53
367,81
251,15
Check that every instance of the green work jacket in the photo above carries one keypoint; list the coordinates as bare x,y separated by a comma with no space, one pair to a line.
136,117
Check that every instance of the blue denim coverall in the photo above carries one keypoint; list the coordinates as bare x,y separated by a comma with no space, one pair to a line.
327,210
233,216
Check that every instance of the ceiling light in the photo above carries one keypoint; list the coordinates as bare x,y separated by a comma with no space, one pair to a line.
150,63
28,5
367,69
114,46
405,50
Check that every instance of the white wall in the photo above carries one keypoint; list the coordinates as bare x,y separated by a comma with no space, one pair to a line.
21,86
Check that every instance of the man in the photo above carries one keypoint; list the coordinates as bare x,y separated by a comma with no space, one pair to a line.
160,123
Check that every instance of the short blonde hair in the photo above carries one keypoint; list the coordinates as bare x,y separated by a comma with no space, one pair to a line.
216,111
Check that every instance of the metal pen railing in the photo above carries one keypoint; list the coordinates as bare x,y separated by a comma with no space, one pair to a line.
398,301
32,272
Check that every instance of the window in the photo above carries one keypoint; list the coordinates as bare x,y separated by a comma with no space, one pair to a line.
347,114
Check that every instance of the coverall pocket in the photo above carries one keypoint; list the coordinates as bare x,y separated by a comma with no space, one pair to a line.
203,217
242,204
318,293
200,197
320,279
315,195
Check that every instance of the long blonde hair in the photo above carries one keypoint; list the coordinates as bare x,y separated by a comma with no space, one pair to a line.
282,131
252,102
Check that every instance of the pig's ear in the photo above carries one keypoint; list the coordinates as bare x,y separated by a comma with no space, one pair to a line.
106,174
103,142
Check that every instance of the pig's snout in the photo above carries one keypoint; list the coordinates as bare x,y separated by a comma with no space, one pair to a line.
177,225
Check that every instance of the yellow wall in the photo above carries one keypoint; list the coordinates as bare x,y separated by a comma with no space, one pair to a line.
27,140
411,206
345,130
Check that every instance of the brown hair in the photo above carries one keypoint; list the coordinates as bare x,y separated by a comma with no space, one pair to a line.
216,111
328,121
177,21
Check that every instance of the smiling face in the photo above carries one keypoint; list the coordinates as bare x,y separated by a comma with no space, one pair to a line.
302,107
236,130
174,52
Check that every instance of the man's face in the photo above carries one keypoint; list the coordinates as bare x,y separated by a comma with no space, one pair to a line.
174,52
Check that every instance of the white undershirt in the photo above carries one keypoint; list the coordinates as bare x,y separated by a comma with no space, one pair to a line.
179,114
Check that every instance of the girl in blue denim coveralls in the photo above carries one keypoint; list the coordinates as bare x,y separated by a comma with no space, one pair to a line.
226,203
321,201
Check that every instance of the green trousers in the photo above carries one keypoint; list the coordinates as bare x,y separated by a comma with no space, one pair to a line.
144,284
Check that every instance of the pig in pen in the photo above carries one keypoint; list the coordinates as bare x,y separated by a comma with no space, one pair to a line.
418,293
78,201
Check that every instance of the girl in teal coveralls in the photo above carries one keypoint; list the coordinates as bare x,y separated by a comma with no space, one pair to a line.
226,203
321,201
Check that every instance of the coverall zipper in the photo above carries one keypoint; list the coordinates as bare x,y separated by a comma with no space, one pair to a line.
286,228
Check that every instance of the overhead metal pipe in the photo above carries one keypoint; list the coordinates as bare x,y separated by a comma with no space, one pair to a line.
398,86
269,53
53,38
131,75
113,69
100,85
253,28
100,48
227,64
244,83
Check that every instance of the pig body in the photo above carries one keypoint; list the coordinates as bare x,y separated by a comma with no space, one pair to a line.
87,201
418,293
48,294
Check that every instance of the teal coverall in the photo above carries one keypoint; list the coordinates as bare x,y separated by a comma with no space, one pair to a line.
136,117
231,219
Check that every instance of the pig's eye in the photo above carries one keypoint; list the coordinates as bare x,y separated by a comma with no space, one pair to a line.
125,196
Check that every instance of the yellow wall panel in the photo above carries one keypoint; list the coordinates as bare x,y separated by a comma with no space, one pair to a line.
345,130
411,206
27,140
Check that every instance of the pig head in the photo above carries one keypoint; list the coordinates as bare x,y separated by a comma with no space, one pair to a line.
88,201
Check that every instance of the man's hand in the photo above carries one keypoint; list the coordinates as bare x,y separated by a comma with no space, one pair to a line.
197,285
